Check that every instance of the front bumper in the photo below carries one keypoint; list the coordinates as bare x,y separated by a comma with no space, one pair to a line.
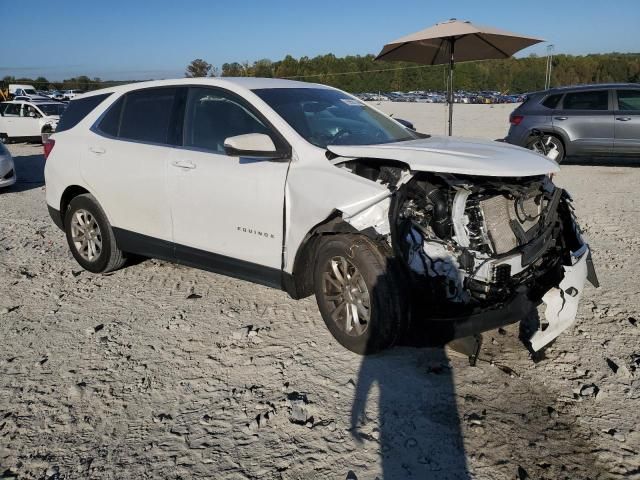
562,301
560,313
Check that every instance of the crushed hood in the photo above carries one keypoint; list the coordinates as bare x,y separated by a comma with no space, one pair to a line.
455,155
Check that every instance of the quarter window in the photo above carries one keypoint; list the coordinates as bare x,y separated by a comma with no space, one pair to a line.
147,114
78,109
213,116
589,100
629,100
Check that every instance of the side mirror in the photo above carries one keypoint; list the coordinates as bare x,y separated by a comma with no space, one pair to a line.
257,145
406,123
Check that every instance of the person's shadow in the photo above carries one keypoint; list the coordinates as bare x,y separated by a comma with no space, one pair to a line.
416,421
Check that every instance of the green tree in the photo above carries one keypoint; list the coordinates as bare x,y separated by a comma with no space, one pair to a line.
198,68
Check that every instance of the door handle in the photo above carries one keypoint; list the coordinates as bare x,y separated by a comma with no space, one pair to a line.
97,150
186,164
623,119
560,118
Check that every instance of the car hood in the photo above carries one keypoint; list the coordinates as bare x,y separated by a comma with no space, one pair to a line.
455,155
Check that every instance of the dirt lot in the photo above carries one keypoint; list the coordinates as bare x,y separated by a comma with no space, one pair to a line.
161,371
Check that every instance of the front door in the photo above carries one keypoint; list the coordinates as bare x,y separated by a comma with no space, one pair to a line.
587,120
227,211
627,122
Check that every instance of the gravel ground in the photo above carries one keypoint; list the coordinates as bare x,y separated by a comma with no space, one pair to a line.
161,371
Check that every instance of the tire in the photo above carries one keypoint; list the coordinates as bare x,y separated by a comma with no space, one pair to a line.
364,313
86,219
4,138
535,145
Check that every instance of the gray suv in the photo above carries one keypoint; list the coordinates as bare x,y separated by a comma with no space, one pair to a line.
593,120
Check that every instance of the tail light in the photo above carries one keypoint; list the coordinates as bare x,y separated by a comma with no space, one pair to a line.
48,147
516,119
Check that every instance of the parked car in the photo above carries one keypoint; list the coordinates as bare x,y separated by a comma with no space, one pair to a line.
23,120
591,120
70,94
56,95
7,169
304,188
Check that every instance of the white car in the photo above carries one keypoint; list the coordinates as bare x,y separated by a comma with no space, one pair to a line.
70,94
304,188
22,120
7,169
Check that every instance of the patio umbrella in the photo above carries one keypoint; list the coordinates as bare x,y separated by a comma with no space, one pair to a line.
452,41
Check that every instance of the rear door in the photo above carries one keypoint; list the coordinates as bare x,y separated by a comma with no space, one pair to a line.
586,117
125,165
627,121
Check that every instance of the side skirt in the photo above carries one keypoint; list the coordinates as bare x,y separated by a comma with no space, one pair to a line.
151,247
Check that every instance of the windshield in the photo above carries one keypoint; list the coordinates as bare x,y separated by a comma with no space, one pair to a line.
52,108
329,117
30,91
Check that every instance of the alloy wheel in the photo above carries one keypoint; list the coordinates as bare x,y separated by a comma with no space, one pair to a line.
86,235
347,296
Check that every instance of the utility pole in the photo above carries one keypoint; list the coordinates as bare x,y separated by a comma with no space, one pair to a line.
547,77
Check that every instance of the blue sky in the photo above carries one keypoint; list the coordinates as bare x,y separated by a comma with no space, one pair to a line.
136,39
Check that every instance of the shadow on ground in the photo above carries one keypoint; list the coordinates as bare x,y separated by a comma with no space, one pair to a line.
30,172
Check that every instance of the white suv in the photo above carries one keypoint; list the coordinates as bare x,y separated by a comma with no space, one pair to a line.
28,120
305,188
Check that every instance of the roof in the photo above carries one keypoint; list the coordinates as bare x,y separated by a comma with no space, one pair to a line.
248,83
593,86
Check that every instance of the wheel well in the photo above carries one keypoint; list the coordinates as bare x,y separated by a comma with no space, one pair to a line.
68,195
555,134
300,283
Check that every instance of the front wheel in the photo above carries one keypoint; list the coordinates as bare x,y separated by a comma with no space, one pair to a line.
359,293
4,138
548,145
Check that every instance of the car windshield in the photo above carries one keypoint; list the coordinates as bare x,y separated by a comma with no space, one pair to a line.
52,108
329,117
30,91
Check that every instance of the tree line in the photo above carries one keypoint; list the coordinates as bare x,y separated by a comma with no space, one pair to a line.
360,73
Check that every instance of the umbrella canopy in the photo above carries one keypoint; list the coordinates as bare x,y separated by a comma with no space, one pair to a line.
455,40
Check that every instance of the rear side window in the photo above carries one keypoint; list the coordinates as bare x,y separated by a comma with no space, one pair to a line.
146,115
629,100
77,110
590,100
552,101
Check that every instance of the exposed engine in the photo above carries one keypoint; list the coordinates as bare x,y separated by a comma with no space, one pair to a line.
481,238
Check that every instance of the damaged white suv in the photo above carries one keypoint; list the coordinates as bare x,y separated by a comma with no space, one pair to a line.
303,187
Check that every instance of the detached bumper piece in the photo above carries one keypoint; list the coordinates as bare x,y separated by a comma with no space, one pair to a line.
562,301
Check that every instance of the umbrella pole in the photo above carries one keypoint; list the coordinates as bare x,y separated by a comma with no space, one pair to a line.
452,43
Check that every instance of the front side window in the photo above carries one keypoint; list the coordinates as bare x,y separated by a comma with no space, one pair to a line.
213,115
589,100
329,117
147,114
629,100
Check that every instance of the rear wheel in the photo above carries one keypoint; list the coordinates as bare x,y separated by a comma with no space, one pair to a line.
548,145
358,293
4,138
90,236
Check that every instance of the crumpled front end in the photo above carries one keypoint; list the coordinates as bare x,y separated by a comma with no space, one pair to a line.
482,252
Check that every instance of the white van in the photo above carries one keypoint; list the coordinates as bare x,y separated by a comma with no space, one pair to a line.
25,92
